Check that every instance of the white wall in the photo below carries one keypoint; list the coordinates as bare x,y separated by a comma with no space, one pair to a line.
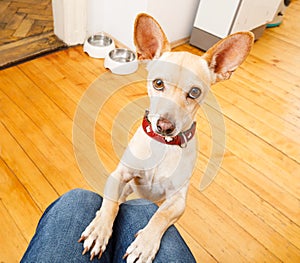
70,20
95,21
176,17
116,17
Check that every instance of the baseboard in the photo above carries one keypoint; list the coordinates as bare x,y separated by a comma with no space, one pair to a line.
204,40
179,42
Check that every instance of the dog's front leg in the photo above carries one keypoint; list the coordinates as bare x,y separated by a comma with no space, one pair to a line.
98,232
147,242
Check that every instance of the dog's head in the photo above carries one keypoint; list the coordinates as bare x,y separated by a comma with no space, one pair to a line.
179,81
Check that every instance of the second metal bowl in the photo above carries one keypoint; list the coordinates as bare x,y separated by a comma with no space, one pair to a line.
121,61
122,55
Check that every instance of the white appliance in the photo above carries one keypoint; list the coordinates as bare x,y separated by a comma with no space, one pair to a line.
216,19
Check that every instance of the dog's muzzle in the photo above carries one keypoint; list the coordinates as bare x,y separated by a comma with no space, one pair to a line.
164,126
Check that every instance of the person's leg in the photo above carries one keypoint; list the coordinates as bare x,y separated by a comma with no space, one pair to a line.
60,227
133,216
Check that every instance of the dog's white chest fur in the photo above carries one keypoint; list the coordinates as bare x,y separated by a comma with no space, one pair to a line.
157,169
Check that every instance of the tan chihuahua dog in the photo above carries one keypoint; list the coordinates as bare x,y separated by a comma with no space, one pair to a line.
160,158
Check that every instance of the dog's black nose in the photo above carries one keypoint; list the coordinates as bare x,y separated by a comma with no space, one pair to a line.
164,126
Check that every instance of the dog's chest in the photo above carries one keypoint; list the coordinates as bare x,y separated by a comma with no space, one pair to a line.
159,168
147,154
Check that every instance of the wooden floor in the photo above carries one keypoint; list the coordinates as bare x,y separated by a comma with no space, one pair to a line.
26,30
24,18
251,211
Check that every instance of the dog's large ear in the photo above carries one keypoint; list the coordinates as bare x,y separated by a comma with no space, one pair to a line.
226,55
149,38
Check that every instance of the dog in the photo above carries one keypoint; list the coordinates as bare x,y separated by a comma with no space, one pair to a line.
160,157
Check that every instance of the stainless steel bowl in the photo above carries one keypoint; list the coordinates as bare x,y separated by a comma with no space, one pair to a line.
100,40
98,45
122,55
121,61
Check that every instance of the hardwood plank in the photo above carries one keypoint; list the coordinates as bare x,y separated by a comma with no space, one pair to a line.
288,146
240,199
13,251
265,219
40,17
36,29
45,13
274,80
4,16
199,252
3,6
64,175
255,111
291,34
260,159
275,110
272,103
40,108
281,59
26,171
69,107
209,224
24,28
18,203
271,162
6,36
30,5
207,237
15,21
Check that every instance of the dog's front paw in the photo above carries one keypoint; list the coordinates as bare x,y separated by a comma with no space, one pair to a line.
96,236
144,248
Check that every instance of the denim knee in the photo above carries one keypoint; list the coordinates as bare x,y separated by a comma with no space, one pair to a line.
82,196
80,200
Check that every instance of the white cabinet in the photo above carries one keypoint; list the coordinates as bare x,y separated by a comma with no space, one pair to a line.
217,19
216,16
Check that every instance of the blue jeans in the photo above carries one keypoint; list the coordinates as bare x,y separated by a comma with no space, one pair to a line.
64,220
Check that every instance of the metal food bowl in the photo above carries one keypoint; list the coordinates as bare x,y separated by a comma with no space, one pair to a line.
122,55
100,40
121,61
98,46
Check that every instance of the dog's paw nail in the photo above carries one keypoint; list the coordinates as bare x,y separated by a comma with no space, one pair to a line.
92,256
125,256
81,239
100,254
85,250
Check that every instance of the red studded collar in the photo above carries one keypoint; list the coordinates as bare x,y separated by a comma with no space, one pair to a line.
181,139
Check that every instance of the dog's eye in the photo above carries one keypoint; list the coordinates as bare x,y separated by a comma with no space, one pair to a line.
158,84
194,93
